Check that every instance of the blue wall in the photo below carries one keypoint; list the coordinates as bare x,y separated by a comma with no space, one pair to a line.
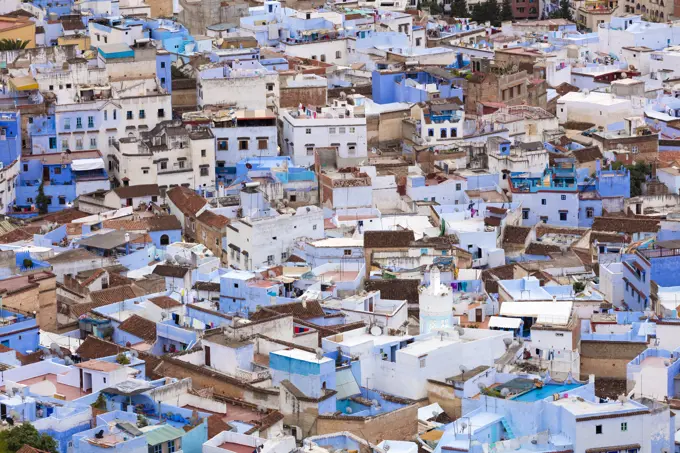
10,148
163,63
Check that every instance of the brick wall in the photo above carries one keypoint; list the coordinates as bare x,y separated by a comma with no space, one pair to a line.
292,97
608,358
401,424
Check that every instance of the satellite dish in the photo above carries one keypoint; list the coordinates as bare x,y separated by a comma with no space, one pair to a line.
134,353
249,166
505,392
376,331
348,410
319,354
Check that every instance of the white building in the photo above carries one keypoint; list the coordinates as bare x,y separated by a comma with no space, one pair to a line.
265,237
401,365
601,109
436,304
338,126
169,155
242,85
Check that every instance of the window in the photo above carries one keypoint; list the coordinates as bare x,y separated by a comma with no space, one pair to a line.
204,171
25,167
338,55
284,255
331,130
352,150
235,285
180,164
598,429
90,121
93,142
544,202
162,64
308,131
162,80
590,213
171,446
347,252
79,143
29,200
64,144
142,114
563,197
624,426
158,448
57,170
161,113
106,115
454,132
270,87
262,143
559,334
51,87
223,145
352,130
418,42
563,216
422,362
270,259
459,186
525,214
313,57
442,133
323,57
243,145
129,114
79,123
313,227
115,114
67,123
53,142
544,219
164,165
430,132
62,200
310,150
204,153
145,171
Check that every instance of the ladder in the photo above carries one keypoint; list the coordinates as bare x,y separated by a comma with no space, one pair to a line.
507,427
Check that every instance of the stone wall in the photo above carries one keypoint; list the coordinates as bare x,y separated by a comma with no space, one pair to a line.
608,358
401,424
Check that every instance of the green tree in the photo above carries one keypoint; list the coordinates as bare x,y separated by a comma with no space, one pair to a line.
41,201
565,9
26,434
459,8
13,44
506,10
639,171
487,11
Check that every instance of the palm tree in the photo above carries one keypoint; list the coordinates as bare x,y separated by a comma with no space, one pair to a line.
13,44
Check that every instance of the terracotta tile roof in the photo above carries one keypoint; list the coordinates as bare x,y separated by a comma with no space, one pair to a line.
159,223
28,449
492,221
166,270
616,238
61,217
125,224
516,234
74,229
495,210
588,154
94,348
164,302
297,309
140,327
104,297
216,425
295,259
207,286
15,236
95,275
626,225
536,248
395,289
186,200
388,239
71,256
213,220
142,190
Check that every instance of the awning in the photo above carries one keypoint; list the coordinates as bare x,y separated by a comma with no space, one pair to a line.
501,322
88,164
25,83
345,384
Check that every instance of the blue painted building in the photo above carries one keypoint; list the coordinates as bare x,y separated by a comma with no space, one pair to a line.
42,133
646,261
388,86
163,69
18,331
64,177
10,137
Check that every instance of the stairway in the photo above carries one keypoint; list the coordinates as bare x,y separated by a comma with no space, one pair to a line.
507,427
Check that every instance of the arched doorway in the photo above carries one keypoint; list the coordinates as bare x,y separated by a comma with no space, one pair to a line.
165,239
